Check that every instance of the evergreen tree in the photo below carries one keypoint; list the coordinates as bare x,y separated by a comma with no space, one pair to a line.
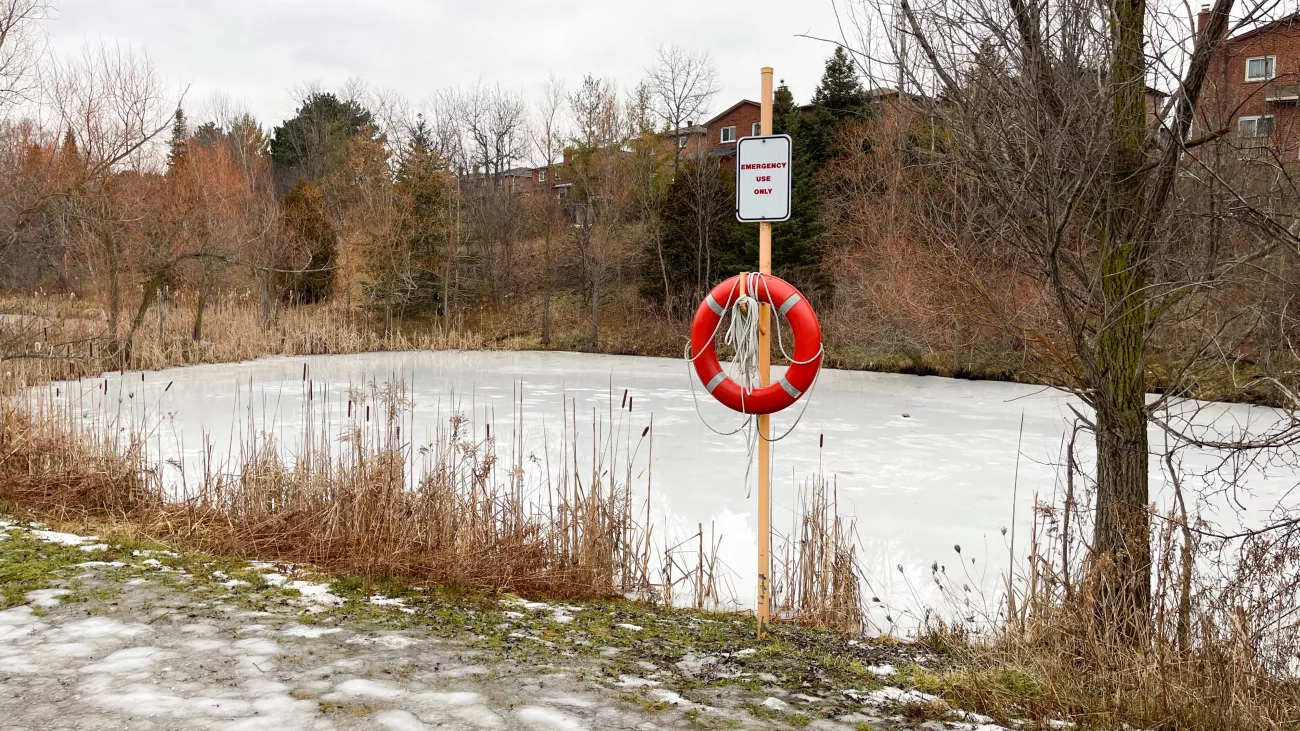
178,146
783,110
838,99
840,91
702,241
69,150
314,142
424,189
304,218
208,134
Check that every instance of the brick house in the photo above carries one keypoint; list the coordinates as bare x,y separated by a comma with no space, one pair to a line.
717,137
1252,89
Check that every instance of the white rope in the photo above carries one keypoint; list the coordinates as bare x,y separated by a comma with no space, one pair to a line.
742,336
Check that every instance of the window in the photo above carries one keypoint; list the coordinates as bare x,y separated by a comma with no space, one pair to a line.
681,142
541,176
756,130
729,133
1255,127
1261,68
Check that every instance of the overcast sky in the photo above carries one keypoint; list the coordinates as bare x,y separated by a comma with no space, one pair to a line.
259,51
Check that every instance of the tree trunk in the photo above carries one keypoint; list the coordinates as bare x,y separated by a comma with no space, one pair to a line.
264,297
1121,545
546,281
595,311
196,334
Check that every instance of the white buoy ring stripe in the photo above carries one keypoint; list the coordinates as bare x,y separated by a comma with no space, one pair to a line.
713,305
805,361
715,381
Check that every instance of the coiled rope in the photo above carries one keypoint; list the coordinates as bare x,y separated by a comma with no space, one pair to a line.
742,336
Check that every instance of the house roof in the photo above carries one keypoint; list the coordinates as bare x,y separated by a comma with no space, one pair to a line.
729,110
1289,21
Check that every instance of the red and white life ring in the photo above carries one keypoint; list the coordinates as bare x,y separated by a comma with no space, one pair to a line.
805,361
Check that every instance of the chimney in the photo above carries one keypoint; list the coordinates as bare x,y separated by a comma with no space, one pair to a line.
1202,18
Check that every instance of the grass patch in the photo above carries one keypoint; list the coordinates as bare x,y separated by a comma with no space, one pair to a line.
28,563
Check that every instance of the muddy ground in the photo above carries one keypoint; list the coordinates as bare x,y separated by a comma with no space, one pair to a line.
105,634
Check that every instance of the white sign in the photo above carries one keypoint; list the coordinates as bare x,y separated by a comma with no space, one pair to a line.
763,178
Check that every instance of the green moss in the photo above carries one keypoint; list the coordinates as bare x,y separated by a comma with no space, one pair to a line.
28,563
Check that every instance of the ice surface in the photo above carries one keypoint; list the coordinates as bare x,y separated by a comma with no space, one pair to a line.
947,474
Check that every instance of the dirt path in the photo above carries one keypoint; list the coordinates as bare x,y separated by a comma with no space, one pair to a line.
122,638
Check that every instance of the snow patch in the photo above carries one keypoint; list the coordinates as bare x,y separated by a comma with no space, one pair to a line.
316,596
630,627
46,598
548,719
362,688
62,539
132,659
383,601
256,646
309,632
391,642
399,721
668,696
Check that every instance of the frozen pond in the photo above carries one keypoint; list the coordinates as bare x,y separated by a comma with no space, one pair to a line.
922,463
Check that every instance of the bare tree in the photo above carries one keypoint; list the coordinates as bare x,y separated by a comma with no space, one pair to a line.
109,105
683,84
548,143
21,50
600,197
1056,163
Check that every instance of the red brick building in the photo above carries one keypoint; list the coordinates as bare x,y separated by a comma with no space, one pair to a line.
717,137
1253,89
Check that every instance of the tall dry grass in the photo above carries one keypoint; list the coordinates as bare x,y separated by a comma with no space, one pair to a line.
61,338
362,498
1221,650
817,573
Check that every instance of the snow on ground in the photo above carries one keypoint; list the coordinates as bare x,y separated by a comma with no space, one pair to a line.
158,655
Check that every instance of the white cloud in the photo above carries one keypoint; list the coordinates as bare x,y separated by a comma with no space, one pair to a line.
259,51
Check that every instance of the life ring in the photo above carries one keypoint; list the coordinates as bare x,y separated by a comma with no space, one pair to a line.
806,360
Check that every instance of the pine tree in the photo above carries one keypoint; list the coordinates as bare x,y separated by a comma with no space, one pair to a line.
783,109
424,188
840,91
69,150
314,142
178,147
838,99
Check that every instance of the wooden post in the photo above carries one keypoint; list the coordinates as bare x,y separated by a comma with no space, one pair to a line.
765,377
